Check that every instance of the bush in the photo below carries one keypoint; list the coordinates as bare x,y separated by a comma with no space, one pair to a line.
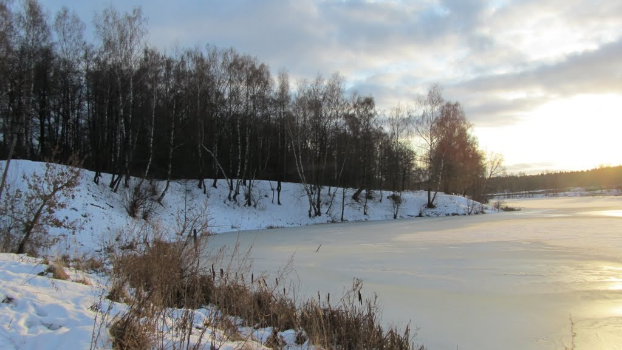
164,274
28,213
139,200
396,202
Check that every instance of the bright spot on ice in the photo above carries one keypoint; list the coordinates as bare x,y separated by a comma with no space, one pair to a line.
616,213
616,282
609,213
616,286
617,310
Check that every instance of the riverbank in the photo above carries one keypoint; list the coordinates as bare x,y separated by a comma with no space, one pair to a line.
101,215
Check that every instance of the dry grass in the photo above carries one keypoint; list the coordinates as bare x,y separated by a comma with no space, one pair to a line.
185,274
128,333
57,270
118,293
84,280
170,275
353,322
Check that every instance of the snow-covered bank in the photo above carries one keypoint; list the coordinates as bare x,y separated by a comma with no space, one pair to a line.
39,312
101,214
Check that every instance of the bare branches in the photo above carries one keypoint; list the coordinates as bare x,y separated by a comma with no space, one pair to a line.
29,211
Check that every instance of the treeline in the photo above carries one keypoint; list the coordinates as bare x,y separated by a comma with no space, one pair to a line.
605,177
127,108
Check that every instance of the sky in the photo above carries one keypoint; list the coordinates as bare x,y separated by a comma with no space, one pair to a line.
541,80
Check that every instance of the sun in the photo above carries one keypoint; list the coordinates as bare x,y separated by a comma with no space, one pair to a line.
577,133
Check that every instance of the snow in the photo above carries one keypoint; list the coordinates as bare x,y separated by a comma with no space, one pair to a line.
101,215
39,312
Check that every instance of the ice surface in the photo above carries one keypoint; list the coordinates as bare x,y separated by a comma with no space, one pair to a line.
506,281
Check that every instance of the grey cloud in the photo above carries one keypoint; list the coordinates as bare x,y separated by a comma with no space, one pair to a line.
326,36
589,72
593,72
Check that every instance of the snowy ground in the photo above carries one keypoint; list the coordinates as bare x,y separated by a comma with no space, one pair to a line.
39,312
101,213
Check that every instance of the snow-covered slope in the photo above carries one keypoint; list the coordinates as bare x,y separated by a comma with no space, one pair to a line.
101,213
32,312
39,312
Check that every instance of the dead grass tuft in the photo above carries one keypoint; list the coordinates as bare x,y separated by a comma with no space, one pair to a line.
57,270
129,334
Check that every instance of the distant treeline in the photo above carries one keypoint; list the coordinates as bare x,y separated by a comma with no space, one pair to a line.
599,178
126,108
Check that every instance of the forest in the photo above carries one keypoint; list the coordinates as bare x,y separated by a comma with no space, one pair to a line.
125,107
603,177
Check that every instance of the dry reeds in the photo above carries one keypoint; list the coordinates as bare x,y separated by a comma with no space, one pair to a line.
167,275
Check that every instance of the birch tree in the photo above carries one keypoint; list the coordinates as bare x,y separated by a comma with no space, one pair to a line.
428,114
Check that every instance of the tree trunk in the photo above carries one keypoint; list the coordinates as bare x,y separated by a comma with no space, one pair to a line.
357,194
21,249
171,147
8,162
343,201
151,133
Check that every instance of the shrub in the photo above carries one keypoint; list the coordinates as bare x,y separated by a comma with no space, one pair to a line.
139,199
396,202
163,274
117,293
28,213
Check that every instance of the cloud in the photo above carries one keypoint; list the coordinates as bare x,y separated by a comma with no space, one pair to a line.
505,98
500,59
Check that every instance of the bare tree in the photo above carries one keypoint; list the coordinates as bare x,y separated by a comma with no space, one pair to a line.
70,47
429,112
283,101
121,42
494,167
7,38
170,90
28,213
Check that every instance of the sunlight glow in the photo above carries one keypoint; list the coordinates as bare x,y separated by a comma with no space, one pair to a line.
614,213
616,282
578,133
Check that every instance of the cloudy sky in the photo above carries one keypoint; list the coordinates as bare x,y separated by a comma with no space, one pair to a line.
540,79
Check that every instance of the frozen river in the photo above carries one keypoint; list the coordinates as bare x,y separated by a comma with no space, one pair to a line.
502,281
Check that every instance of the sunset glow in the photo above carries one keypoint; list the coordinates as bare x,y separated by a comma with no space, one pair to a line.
567,134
